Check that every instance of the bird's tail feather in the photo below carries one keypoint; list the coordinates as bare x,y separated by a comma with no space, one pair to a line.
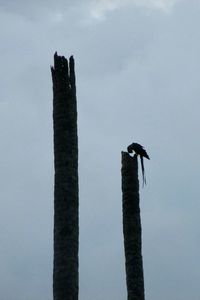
143,171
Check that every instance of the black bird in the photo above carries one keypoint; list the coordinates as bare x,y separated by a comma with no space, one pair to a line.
139,150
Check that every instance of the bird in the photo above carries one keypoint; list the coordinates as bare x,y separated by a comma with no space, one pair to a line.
139,150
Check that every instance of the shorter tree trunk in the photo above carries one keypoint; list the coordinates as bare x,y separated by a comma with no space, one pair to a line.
132,228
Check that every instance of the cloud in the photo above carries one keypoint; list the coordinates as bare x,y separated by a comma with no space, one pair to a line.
35,10
99,8
164,5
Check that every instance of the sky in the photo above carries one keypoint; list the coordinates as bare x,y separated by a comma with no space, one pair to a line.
137,74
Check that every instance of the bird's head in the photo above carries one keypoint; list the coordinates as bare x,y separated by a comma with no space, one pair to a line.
130,149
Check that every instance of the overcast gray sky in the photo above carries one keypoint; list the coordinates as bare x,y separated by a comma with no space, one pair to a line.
138,71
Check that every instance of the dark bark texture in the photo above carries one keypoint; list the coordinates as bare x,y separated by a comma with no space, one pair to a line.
66,221
132,228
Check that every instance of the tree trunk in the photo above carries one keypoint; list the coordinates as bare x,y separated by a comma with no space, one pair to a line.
132,228
66,220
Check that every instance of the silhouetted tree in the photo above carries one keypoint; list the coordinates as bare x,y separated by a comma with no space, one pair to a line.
66,219
132,228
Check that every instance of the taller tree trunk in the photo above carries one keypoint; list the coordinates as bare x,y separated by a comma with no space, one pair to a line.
132,228
66,228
